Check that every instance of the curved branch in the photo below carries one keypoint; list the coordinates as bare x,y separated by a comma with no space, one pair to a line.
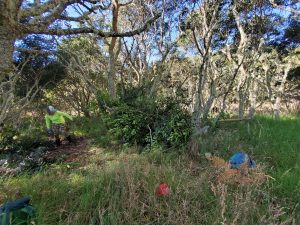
71,31
81,17
196,42
126,3
38,10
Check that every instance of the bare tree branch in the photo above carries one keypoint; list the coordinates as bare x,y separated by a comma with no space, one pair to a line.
286,8
36,51
196,42
126,3
39,9
82,30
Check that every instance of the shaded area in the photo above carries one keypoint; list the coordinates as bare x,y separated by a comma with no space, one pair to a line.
69,152
16,162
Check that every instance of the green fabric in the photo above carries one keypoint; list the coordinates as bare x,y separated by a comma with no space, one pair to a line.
23,216
3,218
57,118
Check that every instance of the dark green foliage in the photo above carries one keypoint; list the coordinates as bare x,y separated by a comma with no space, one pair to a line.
146,121
25,137
92,128
129,123
7,135
292,33
103,100
294,75
23,216
43,67
174,128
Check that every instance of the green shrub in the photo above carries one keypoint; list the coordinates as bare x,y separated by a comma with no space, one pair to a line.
146,121
92,128
130,124
28,135
7,137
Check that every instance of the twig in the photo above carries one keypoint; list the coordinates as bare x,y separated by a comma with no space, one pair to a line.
151,139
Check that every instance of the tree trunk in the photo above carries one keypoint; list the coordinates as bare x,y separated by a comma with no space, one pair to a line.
242,88
241,104
240,55
159,74
7,78
111,51
6,51
252,99
276,105
196,116
111,76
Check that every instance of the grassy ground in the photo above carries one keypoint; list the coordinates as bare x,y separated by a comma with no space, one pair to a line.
273,143
110,186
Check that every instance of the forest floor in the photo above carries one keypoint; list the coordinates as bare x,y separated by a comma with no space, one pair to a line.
104,184
71,152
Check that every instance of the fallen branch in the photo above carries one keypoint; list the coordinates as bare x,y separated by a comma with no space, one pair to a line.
234,120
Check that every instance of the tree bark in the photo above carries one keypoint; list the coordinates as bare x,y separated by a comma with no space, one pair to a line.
241,88
276,105
240,58
203,103
252,99
111,76
112,55
7,41
241,104
196,116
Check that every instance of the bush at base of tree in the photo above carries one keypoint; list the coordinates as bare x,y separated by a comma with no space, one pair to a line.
144,121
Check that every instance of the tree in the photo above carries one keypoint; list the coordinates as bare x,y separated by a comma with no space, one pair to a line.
203,26
19,18
276,69
85,66
147,57
37,52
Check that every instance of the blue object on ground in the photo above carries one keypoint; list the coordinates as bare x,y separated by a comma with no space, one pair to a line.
239,159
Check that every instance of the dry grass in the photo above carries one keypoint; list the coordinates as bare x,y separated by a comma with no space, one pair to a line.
242,176
120,189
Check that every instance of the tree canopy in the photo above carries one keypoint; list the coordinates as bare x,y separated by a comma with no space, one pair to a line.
228,54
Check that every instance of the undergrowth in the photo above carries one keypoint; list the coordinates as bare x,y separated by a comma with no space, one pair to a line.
118,187
275,143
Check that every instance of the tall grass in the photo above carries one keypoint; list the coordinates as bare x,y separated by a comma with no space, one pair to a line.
119,188
274,143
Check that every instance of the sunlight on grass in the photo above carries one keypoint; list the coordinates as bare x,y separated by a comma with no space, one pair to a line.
118,187
76,179
274,143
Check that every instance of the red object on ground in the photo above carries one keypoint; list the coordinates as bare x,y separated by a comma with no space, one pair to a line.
162,189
